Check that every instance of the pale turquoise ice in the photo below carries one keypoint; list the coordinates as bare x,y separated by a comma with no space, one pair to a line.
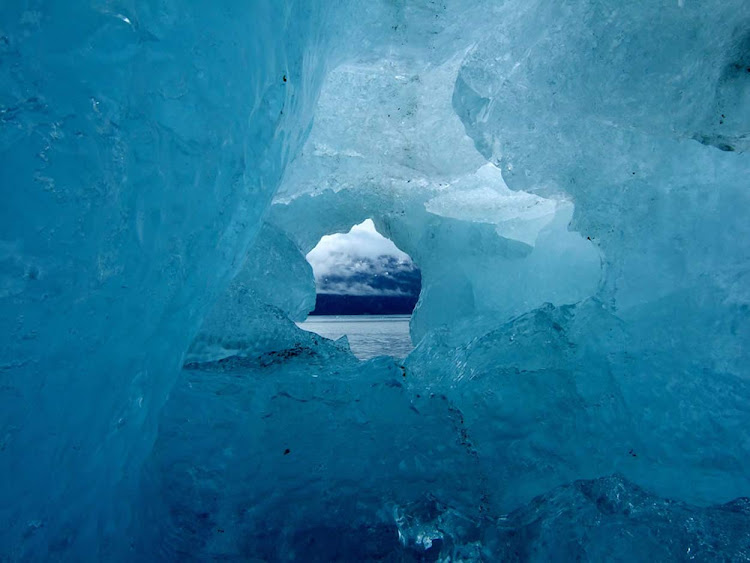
571,177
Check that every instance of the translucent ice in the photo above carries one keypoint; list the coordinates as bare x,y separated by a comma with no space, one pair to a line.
140,144
571,179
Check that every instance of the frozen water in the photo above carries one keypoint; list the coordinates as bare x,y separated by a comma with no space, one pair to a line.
571,179
141,144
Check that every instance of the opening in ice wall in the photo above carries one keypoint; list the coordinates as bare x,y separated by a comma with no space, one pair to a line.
363,273
366,290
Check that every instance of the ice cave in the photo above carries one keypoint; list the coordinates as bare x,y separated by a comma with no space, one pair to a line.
572,179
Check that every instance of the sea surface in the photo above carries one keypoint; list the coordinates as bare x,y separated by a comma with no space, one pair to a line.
369,335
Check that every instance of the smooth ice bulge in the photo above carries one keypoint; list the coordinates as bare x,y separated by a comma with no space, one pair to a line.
141,145
571,179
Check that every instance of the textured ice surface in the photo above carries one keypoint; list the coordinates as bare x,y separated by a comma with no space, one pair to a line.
371,466
570,177
252,316
141,143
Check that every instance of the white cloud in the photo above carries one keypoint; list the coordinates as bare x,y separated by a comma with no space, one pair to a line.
352,251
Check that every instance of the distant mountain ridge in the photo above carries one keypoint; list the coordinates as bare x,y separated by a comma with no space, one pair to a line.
330,304
385,275
382,286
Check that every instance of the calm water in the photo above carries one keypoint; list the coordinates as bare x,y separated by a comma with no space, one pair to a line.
369,335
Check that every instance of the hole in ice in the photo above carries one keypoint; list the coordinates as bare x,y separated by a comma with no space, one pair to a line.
366,289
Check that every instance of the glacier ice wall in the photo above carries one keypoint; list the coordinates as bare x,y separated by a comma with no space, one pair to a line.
649,134
141,143
387,144
252,316
570,177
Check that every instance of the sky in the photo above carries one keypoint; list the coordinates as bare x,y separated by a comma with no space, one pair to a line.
362,262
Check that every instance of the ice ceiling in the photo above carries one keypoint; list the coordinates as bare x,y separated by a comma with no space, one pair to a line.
570,177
